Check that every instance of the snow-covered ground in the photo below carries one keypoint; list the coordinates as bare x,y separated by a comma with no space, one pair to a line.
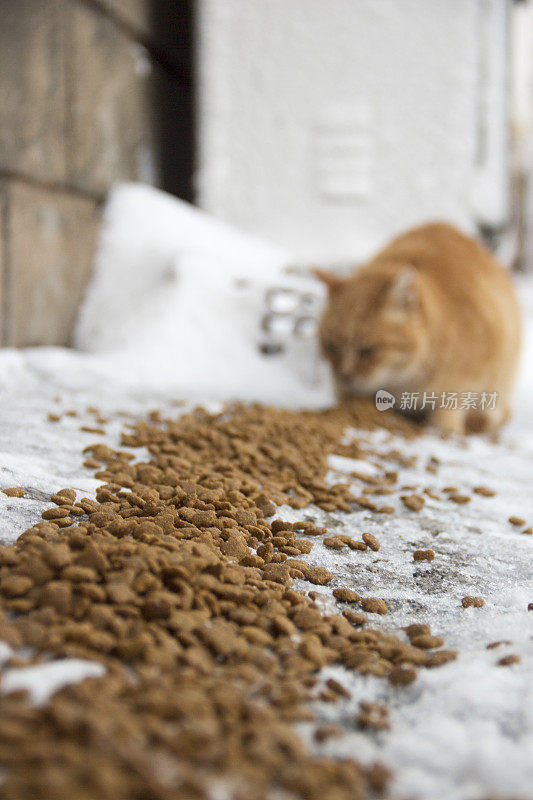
460,732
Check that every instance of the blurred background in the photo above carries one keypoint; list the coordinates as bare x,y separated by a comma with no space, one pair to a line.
323,127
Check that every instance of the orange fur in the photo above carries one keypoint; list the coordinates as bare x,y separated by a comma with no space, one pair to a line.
432,312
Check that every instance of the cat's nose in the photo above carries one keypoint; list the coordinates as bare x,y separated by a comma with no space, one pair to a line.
346,366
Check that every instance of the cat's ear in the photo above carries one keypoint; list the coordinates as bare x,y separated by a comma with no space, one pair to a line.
403,291
329,280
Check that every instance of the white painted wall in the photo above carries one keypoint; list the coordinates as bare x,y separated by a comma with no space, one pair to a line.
522,113
522,75
328,125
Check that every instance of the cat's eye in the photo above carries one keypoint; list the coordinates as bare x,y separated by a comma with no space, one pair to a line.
331,348
367,352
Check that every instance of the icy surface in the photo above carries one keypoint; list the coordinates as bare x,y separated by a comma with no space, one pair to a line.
460,732
42,680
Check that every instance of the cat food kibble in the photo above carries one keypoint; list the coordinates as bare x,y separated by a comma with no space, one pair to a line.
374,605
337,688
424,555
353,544
402,675
460,499
508,661
370,540
517,521
366,502
484,491
414,502
354,617
426,641
346,595
499,643
373,715
319,575
472,602
441,657
326,732
173,579
15,491
417,629
334,543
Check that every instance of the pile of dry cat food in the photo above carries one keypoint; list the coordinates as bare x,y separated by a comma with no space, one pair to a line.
174,580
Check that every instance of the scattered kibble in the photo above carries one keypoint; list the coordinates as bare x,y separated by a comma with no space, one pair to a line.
433,461
472,602
441,657
517,521
426,641
373,715
319,575
91,463
337,688
355,617
508,661
370,540
366,502
353,544
325,732
64,497
15,585
402,675
334,543
460,499
55,513
14,491
375,605
424,555
417,629
176,583
346,595
484,491
414,502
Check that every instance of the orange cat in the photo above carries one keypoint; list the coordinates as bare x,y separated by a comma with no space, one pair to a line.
433,312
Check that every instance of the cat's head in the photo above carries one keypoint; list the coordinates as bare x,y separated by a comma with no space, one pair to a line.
374,330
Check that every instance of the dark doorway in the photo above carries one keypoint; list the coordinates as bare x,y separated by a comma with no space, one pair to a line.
173,27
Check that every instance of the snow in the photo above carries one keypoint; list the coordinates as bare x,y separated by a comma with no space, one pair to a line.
459,732
178,299
465,728
44,680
